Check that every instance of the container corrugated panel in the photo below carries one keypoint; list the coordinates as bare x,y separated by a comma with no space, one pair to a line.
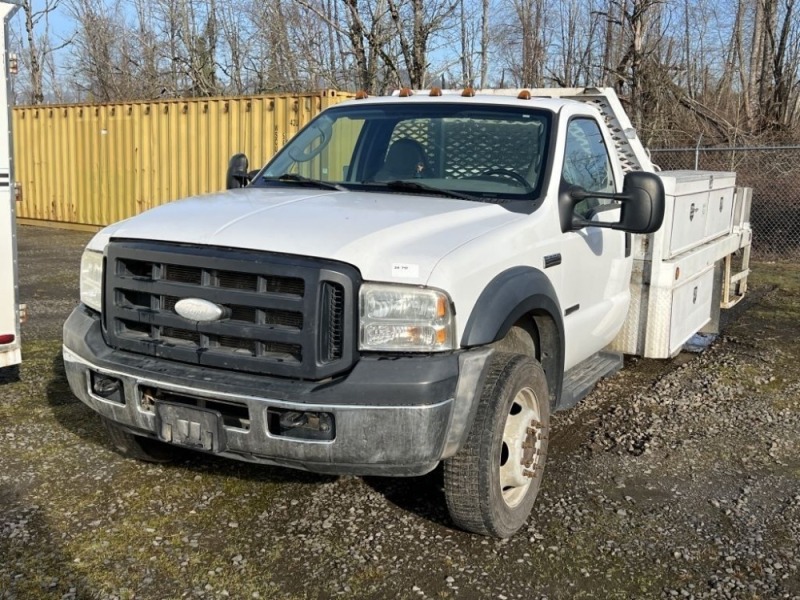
96,164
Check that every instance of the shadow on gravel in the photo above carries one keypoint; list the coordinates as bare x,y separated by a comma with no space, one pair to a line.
208,464
68,411
9,375
752,298
27,570
422,496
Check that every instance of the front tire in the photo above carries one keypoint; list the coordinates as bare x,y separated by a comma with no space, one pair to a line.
492,482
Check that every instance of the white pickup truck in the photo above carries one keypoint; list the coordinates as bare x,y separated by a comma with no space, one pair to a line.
410,280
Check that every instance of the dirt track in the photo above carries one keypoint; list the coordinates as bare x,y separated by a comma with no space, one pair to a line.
673,479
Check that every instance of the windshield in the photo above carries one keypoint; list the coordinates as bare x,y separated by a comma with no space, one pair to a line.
468,151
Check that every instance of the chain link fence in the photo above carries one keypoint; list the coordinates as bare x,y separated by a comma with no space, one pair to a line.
773,172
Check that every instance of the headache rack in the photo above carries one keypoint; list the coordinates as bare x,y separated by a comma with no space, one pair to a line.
630,151
283,315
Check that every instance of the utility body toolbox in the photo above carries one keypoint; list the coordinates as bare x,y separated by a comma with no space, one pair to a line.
679,272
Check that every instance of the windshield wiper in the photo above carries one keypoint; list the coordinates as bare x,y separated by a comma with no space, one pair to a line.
403,185
295,178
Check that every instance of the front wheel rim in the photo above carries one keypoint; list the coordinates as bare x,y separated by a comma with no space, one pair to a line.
521,452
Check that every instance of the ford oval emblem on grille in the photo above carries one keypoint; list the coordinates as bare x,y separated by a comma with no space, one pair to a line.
197,309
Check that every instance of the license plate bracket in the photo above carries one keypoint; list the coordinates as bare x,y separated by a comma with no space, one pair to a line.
190,426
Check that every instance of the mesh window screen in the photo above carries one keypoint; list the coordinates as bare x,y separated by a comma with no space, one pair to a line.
459,148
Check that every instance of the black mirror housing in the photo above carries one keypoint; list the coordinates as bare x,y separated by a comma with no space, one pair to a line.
642,205
237,175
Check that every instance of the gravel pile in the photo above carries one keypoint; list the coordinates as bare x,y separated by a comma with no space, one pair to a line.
674,479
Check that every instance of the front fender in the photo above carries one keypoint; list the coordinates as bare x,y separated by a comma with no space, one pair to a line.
510,296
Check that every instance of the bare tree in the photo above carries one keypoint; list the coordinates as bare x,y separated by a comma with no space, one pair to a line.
574,62
39,47
525,47
415,23
97,61
726,69
467,67
474,41
484,51
194,37
363,33
235,35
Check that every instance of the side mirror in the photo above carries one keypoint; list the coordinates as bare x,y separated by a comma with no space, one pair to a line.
237,175
642,204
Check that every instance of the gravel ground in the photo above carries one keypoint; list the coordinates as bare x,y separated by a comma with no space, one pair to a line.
673,479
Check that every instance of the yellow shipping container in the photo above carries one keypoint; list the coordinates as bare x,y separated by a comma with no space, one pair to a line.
88,165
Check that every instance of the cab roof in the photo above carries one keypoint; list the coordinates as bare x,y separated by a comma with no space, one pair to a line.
479,98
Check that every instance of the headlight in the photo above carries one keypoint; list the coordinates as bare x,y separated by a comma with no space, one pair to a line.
405,319
92,278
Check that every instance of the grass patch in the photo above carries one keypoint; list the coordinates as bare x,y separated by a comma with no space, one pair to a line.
785,276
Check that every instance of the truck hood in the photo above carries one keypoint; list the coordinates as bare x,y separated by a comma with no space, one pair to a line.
388,237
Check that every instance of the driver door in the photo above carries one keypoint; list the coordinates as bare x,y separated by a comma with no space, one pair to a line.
596,270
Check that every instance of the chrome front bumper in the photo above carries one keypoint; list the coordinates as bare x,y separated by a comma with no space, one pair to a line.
391,417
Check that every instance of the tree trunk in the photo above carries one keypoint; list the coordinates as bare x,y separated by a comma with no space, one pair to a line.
34,64
484,43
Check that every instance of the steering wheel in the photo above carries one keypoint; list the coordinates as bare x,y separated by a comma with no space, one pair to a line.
508,173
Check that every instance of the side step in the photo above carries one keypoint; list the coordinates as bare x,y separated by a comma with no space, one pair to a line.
734,285
581,379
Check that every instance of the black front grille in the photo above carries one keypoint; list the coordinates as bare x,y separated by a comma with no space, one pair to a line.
332,321
282,315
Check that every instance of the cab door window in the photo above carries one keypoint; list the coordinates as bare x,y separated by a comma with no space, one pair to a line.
586,163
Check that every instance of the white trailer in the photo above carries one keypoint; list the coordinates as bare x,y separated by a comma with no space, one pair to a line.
10,347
